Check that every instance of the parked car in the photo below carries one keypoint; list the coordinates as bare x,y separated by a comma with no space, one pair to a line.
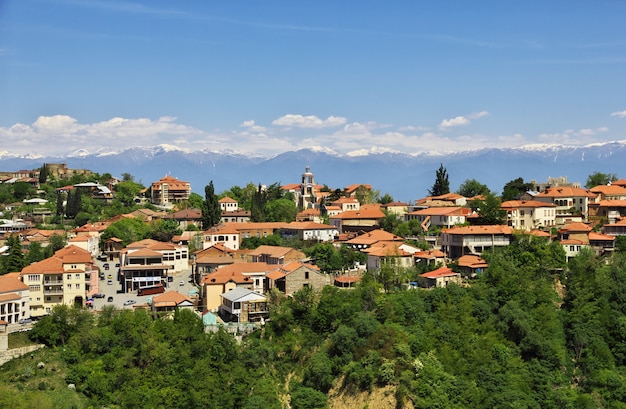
99,295
102,257
110,299
25,321
182,283
117,265
110,282
110,276
106,266
129,302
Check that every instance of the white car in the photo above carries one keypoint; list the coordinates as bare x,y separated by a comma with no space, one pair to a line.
182,283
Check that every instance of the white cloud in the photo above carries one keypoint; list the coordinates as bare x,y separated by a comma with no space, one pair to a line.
478,115
310,121
253,127
458,121
620,114
461,120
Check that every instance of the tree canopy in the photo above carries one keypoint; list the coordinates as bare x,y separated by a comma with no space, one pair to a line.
442,184
515,188
472,187
598,178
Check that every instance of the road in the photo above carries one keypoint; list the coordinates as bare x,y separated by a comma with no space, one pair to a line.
114,289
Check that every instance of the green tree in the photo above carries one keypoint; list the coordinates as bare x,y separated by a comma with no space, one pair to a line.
280,210
211,211
14,261
128,230
385,199
23,190
35,253
164,230
515,188
43,174
489,210
127,191
257,207
442,184
60,211
472,187
195,201
598,178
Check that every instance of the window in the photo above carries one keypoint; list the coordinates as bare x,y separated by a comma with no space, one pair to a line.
78,286
237,305
69,276
306,275
69,286
34,277
77,276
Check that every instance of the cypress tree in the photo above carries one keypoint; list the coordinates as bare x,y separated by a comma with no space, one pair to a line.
211,211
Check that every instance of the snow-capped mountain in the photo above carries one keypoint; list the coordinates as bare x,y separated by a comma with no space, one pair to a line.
405,176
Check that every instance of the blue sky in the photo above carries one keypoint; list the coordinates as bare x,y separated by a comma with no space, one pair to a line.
270,76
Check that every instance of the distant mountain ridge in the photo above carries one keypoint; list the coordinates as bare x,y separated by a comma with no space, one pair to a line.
405,176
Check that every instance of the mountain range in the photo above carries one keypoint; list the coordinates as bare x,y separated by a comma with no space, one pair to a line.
404,176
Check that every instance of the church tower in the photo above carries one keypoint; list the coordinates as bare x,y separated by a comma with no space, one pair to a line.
307,189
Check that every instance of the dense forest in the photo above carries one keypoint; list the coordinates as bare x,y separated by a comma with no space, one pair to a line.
530,332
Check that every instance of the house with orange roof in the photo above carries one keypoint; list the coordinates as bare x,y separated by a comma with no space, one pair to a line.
392,254
346,204
367,218
574,237
295,275
397,208
186,218
440,277
228,204
113,247
430,257
87,241
171,301
175,255
210,259
459,241
617,228
310,215
169,190
353,189
529,214
231,211
572,203
370,238
254,229
439,216
471,265
242,305
224,234
448,199
619,182
251,276
14,299
310,231
148,262
602,244
332,210
64,278
275,255
607,211
609,192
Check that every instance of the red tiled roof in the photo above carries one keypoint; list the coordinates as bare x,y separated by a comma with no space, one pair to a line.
440,272
488,229
565,191
593,236
576,227
516,204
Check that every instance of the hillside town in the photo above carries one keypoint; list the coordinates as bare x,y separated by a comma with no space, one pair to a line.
207,269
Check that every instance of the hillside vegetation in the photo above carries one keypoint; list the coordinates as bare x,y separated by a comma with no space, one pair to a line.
508,340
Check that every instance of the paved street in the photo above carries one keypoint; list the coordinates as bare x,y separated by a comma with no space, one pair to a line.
113,290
